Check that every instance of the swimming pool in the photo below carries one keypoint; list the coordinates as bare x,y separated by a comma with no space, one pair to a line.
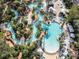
50,42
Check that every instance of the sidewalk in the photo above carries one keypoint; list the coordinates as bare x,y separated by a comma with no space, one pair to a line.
53,56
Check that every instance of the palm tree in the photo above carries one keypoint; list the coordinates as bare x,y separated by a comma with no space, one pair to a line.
68,3
6,51
25,22
39,30
32,50
73,13
8,15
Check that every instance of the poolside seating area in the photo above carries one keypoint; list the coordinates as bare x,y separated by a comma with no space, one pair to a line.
66,42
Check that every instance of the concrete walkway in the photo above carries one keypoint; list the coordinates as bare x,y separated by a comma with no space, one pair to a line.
54,56
58,8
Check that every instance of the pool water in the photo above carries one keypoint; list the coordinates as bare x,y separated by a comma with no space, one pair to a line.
50,41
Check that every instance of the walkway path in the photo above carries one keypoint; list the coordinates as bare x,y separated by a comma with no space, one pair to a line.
54,56
58,8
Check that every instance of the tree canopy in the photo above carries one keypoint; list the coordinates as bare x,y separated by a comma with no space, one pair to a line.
28,51
7,52
68,3
73,13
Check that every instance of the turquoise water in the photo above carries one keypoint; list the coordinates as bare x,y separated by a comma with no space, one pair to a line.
32,5
11,30
34,32
50,41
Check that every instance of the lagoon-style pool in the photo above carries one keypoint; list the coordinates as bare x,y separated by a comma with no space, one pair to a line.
50,41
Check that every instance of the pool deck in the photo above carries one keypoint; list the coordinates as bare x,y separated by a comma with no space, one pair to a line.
52,56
